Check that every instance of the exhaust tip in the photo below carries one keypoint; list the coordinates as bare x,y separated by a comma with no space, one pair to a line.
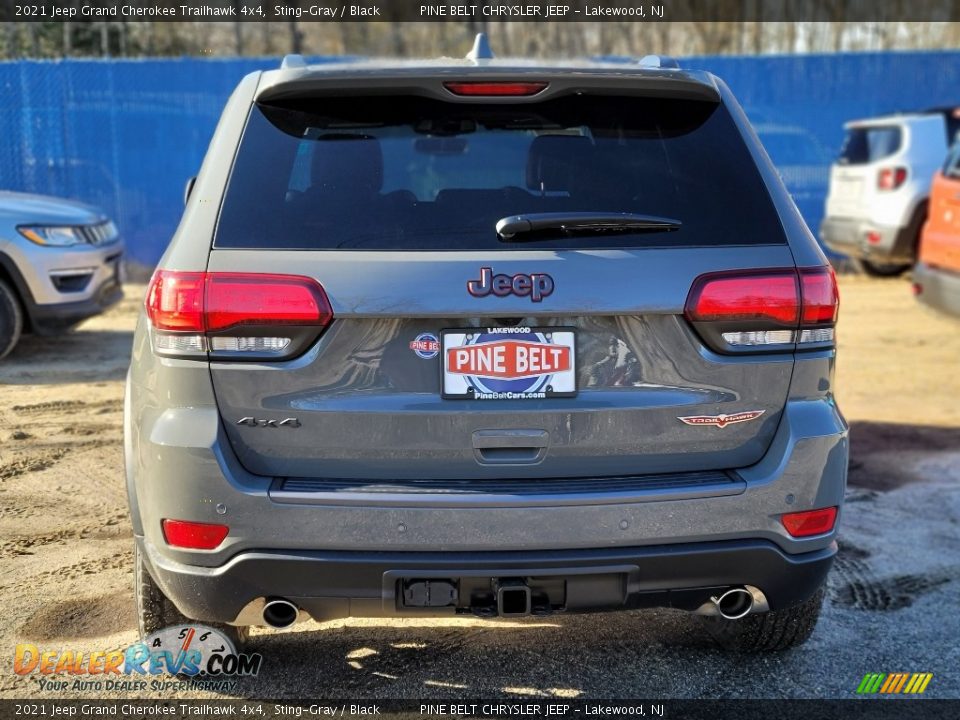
734,604
279,613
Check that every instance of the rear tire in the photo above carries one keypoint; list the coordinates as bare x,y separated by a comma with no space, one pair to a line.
875,269
11,319
769,631
156,611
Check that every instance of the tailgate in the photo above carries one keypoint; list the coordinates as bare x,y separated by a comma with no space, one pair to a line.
573,335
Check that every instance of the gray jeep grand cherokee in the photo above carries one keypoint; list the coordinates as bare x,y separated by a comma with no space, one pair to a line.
486,337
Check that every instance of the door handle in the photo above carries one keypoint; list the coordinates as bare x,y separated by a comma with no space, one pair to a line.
510,447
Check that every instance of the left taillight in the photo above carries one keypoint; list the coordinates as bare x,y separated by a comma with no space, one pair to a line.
767,310
238,316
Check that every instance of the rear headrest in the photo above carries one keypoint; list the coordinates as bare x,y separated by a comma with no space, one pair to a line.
553,160
347,163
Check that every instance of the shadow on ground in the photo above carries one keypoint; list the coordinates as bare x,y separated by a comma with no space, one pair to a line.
885,456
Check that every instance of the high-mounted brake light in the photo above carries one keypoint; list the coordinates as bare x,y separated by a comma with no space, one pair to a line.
193,535
496,89
766,309
252,315
810,522
891,178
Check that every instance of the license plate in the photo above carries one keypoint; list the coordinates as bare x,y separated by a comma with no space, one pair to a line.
508,363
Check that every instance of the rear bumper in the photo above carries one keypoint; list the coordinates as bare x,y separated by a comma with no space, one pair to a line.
848,236
940,289
329,585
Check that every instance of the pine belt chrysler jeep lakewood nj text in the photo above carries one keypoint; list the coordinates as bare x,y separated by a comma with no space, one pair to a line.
486,337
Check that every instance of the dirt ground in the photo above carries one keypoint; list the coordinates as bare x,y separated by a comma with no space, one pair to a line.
66,548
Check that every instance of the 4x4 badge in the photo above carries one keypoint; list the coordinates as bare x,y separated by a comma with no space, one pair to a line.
536,285
722,420
254,422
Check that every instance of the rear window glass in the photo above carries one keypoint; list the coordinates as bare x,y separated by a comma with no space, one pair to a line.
868,144
416,173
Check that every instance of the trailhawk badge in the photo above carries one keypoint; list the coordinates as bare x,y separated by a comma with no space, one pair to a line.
722,420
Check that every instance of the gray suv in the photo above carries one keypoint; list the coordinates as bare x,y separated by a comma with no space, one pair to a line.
486,337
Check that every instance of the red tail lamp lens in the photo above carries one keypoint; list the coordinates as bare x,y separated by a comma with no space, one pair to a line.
891,178
821,299
193,535
175,300
773,297
810,522
245,299
209,302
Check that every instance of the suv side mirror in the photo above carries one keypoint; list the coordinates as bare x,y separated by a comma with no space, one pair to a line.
188,188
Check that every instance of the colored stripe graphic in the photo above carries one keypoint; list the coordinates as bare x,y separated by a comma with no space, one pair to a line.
870,683
894,683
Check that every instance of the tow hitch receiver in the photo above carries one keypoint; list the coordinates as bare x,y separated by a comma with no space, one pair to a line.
429,593
513,598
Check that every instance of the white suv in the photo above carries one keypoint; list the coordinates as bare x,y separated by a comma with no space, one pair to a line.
880,184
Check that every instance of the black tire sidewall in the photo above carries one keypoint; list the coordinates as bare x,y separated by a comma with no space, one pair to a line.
11,319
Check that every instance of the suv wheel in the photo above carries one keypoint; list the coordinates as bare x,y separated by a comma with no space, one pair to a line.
155,611
769,631
11,319
875,269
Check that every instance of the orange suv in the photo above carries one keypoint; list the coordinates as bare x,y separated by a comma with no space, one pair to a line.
937,274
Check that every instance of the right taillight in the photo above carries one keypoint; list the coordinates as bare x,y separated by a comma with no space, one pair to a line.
252,316
771,310
891,178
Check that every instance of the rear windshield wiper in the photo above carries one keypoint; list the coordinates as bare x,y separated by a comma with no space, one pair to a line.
537,226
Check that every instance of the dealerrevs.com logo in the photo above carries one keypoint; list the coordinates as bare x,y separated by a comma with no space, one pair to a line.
179,657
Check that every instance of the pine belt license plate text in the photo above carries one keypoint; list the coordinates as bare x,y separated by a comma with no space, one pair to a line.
508,363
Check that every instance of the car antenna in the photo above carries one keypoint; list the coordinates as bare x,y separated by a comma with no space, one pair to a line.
481,49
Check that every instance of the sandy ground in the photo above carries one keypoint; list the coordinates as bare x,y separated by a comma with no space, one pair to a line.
65,546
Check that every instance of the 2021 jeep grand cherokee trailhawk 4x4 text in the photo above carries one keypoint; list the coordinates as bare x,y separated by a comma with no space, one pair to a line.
491,338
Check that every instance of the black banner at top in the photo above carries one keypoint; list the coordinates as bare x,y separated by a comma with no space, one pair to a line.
480,11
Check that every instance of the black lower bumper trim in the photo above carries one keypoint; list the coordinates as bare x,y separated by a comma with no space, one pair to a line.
343,584
50,319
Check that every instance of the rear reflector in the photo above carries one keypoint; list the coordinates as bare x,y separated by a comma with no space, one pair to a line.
739,311
193,535
810,522
198,312
496,89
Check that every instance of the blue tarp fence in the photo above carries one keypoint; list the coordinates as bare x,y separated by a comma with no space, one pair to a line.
126,134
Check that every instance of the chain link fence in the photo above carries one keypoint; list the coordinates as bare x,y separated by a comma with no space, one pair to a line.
126,134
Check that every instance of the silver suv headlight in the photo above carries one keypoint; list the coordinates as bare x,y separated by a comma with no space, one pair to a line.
102,233
51,235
